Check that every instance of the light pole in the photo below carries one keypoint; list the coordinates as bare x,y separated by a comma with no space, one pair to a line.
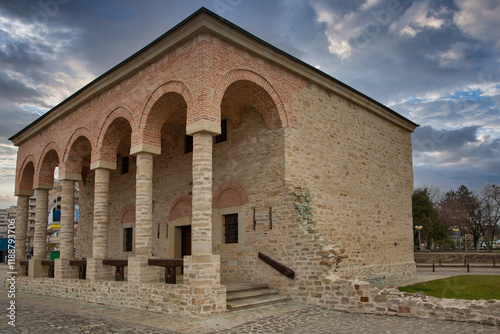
418,228
456,235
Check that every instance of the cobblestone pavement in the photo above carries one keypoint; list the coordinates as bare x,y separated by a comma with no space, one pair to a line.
39,314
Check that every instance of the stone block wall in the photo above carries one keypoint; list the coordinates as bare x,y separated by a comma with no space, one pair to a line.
362,297
156,297
357,168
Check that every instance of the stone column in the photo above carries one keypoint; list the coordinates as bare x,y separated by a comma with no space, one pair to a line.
100,228
67,219
202,194
144,205
203,267
41,222
40,239
138,268
62,268
21,226
21,230
95,269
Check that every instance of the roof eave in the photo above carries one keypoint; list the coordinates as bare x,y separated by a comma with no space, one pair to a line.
204,21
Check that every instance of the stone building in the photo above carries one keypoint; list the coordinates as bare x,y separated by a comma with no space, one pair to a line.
6,215
212,145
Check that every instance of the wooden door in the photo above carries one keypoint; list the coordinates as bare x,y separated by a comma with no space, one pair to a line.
185,240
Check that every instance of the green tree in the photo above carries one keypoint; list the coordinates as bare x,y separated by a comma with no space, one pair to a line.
426,215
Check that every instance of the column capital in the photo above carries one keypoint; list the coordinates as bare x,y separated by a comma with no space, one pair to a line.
103,164
43,186
28,193
203,125
145,148
70,177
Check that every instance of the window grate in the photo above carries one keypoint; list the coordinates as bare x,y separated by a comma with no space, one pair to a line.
231,228
127,239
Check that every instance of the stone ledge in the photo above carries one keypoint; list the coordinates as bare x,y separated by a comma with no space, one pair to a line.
362,297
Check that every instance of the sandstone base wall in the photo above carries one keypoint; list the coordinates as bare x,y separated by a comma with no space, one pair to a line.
345,295
156,297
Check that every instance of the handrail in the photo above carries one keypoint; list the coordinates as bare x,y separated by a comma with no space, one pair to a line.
278,266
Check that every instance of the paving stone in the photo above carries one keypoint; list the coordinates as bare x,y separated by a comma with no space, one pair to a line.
40,314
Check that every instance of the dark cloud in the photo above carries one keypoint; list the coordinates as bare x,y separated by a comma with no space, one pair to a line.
435,62
14,119
15,90
428,139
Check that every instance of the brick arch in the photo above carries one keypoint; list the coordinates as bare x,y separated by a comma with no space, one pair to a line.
169,87
229,194
169,97
26,175
182,207
127,214
101,149
49,159
72,158
274,119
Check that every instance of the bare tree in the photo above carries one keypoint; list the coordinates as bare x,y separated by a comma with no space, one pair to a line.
490,207
461,209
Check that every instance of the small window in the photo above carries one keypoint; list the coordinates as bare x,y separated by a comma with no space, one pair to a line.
124,165
188,143
223,135
231,228
127,239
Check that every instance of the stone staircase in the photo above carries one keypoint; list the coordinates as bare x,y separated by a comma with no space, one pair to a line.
246,295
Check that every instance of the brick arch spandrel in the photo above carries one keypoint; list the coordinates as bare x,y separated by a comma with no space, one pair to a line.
151,120
72,158
182,207
230,194
26,175
49,160
100,148
280,119
127,214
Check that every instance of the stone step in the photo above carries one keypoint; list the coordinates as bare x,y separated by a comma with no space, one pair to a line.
255,301
250,293
234,287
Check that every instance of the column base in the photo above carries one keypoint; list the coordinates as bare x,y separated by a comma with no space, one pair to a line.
63,270
140,272
96,271
36,269
202,270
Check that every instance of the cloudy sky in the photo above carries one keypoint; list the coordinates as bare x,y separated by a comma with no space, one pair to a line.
435,62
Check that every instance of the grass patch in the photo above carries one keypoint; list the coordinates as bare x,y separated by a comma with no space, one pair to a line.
460,287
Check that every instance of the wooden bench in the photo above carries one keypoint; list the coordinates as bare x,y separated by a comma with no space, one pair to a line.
169,265
82,267
26,264
50,264
120,265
